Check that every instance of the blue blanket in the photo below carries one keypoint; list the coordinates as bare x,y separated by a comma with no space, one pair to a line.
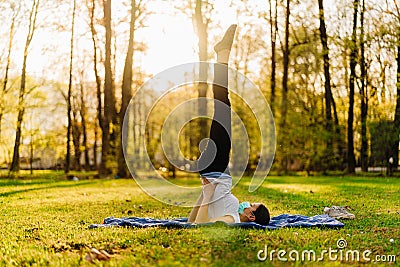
283,220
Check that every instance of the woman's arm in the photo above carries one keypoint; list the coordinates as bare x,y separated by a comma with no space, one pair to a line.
199,213
195,210
208,191
199,202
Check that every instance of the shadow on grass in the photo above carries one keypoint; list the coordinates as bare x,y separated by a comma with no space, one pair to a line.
369,188
15,182
329,180
73,184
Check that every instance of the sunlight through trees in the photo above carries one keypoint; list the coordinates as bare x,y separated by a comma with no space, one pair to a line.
68,69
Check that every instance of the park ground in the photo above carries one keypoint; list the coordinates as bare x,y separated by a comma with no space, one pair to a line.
45,221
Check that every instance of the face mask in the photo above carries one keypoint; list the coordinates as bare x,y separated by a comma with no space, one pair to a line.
243,206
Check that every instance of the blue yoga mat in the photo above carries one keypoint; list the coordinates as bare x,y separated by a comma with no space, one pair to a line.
280,221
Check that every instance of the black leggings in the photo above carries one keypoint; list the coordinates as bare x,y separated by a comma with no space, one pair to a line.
220,131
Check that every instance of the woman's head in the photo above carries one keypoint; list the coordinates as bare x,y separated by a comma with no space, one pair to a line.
257,212
262,215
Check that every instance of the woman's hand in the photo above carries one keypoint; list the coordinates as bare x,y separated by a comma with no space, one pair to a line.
208,189
204,181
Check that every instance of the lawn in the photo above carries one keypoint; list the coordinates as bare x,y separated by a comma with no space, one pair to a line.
45,221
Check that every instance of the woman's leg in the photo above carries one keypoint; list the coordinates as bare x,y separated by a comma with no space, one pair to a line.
220,131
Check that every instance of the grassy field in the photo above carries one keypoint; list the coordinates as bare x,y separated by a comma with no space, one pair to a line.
45,221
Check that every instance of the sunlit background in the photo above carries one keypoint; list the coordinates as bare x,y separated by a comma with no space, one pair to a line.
167,35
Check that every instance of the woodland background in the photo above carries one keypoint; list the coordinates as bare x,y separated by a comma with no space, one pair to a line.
330,71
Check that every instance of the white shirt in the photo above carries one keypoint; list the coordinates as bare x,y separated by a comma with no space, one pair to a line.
223,202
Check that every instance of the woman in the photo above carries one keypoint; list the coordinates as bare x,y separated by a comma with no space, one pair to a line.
216,202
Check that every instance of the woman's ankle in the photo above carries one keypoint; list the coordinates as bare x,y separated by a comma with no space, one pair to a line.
223,56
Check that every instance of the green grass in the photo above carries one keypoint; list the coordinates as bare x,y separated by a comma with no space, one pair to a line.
45,221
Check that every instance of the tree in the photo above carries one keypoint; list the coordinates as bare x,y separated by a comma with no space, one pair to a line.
136,20
286,52
201,23
110,114
76,131
328,91
363,94
83,115
332,126
21,109
4,89
284,100
396,122
69,94
92,8
273,20
351,160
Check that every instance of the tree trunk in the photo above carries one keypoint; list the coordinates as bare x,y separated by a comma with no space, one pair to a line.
109,99
84,129
397,115
201,29
364,98
286,52
351,161
76,137
69,95
114,126
328,91
5,81
21,97
31,150
126,89
338,139
98,83
273,19
95,146
282,123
